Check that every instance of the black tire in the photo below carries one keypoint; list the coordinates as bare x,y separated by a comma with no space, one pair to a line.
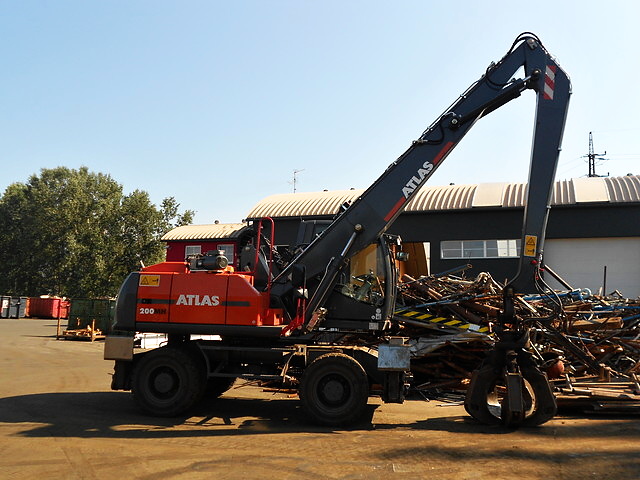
334,390
216,386
167,382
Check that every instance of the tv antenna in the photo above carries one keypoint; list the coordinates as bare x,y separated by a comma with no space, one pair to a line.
295,179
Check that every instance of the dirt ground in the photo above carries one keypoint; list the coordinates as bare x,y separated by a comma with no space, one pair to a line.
59,420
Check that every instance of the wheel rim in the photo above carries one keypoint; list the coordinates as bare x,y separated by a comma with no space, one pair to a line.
333,390
164,383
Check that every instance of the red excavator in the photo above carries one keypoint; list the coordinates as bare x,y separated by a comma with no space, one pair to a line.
321,321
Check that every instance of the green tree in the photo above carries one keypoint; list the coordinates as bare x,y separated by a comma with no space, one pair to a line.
74,233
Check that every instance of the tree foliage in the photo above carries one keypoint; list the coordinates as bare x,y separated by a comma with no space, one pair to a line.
75,233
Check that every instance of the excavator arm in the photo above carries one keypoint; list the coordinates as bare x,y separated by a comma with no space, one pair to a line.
367,218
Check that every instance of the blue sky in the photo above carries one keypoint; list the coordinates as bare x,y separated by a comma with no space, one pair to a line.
217,103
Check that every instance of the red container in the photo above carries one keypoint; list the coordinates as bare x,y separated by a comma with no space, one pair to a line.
48,307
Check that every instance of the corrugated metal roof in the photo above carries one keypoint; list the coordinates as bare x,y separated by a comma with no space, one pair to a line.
205,232
563,193
623,189
457,197
449,197
514,195
303,204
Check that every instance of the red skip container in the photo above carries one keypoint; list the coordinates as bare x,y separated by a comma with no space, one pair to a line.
48,307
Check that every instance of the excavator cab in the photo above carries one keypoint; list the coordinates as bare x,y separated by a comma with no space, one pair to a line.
365,277
365,290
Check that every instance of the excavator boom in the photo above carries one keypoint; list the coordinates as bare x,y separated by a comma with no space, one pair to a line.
374,211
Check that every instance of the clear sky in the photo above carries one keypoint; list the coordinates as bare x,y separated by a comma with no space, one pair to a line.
216,103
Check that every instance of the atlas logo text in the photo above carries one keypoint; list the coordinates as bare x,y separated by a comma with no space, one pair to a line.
417,179
198,300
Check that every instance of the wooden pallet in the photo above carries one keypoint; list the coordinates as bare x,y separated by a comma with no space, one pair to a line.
90,333
82,334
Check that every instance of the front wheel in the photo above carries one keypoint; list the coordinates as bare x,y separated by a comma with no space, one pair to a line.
167,382
334,390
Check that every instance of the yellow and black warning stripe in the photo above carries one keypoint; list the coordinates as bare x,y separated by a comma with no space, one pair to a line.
448,322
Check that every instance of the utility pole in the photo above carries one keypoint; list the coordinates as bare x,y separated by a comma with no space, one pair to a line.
593,157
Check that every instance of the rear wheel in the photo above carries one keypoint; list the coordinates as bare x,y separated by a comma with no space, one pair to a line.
167,382
334,390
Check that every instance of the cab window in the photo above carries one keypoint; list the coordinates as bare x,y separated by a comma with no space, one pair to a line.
364,278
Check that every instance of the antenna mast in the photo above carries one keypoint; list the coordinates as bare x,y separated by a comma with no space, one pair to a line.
295,178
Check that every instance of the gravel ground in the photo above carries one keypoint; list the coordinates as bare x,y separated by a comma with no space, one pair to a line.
58,419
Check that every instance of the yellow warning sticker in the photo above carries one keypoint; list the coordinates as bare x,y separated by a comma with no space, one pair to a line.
530,245
149,280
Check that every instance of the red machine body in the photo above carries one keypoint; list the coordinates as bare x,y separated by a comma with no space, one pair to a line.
171,293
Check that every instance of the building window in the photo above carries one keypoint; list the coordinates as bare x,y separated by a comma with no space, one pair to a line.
229,251
190,250
463,249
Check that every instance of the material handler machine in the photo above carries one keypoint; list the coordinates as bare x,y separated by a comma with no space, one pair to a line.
321,321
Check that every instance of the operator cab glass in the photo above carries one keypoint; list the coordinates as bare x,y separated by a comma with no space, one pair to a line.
365,276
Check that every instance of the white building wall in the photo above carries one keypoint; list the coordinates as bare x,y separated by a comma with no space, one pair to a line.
581,263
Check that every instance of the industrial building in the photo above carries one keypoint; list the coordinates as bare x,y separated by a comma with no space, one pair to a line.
195,239
592,241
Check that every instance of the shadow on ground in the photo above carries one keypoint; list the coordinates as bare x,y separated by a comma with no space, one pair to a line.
114,414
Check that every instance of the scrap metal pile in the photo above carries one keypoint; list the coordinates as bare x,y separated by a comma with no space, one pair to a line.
589,345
